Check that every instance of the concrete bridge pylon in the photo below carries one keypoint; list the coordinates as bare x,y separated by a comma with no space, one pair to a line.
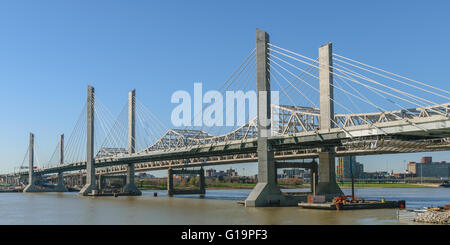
130,185
266,192
31,187
60,187
327,174
91,187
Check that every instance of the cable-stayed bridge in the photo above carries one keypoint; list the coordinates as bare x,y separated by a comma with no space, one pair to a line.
329,106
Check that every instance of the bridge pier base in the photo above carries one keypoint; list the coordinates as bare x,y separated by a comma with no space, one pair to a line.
89,189
266,192
60,187
327,185
31,188
202,186
130,187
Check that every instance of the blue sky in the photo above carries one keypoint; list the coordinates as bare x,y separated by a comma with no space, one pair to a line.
51,50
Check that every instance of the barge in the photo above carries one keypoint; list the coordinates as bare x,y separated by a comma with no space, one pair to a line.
353,206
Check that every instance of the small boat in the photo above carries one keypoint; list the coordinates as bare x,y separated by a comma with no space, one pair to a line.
445,184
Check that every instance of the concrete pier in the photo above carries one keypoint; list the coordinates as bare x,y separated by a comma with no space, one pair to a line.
130,186
169,182
327,174
266,192
102,180
91,182
172,191
327,185
31,187
312,166
60,187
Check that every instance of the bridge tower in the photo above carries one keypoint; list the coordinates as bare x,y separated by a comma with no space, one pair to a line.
327,174
60,186
91,182
31,178
130,186
266,192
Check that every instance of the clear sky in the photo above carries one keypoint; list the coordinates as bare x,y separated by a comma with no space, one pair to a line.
51,50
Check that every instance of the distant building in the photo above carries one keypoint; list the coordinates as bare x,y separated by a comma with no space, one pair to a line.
214,173
402,175
428,168
343,170
145,175
231,172
210,173
426,160
376,175
291,173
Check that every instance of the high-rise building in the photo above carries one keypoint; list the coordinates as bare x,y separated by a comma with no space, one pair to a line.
343,170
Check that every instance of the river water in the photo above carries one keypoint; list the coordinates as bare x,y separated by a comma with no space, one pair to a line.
218,207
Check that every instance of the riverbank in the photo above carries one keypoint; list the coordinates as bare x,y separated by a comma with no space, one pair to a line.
387,185
434,217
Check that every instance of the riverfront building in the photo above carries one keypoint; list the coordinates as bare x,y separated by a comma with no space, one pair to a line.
428,168
214,173
294,173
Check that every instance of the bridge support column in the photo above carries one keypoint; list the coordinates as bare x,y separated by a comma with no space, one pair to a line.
266,191
60,187
169,182
327,176
313,177
91,183
202,182
22,179
130,186
200,191
31,187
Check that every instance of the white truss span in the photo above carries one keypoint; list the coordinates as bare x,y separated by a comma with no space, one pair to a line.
181,138
292,120
295,119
